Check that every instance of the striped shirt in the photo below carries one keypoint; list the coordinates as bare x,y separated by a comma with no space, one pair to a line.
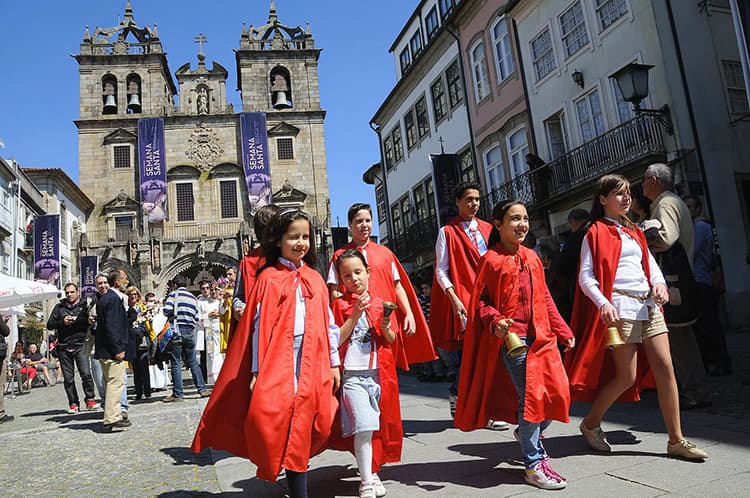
183,305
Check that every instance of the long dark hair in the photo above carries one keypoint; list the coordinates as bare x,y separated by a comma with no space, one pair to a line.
605,186
498,213
276,230
351,253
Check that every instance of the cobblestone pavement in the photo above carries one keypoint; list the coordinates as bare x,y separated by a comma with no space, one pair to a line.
46,452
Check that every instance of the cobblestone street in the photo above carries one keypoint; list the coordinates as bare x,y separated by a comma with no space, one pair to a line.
47,452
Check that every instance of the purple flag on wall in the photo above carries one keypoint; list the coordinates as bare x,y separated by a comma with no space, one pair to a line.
47,249
153,169
255,158
445,178
89,268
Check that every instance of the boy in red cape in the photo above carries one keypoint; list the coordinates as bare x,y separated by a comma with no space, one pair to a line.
373,444
531,389
273,402
389,281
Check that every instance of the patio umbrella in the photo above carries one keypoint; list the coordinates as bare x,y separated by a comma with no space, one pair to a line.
15,291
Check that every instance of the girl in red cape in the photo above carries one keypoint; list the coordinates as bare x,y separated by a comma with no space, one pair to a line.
369,419
620,284
389,281
511,295
274,399
251,263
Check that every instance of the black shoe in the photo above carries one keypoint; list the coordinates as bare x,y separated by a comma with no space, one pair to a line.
138,397
6,418
118,426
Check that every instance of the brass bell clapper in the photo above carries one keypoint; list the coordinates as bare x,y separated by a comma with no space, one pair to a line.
614,339
388,308
516,347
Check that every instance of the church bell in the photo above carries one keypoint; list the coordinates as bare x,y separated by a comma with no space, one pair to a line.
110,106
281,101
134,103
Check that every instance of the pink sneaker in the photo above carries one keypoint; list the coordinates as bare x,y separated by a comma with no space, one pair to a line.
544,476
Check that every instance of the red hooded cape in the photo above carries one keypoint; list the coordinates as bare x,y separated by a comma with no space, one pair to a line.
386,442
463,262
248,270
416,348
589,365
485,389
275,427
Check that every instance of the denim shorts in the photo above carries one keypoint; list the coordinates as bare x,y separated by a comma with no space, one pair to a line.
360,397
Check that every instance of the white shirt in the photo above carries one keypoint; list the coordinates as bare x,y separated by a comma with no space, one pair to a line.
442,258
629,277
333,275
205,306
299,325
360,346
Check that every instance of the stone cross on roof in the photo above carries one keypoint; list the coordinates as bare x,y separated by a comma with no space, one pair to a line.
200,40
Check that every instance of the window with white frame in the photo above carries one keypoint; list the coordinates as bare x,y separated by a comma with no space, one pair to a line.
518,147
479,71
121,156
284,149
5,197
446,7
423,123
502,48
420,206
228,199
398,226
405,59
406,214
431,22
590,117
185,201
624,109
380,201
493,167
557,136
610,11
573,29
416,44
735,85
388,152
398,148
543,55
411,130
439,105
455,87
430,195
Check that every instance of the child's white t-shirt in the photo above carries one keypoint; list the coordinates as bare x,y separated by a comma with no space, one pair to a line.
360,347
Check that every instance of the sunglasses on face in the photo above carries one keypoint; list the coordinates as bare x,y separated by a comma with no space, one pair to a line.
132,294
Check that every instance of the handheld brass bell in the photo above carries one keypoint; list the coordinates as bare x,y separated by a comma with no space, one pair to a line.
515,345
614,340
388,308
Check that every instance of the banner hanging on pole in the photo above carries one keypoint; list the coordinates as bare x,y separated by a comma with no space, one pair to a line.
255,160
47,249
153,169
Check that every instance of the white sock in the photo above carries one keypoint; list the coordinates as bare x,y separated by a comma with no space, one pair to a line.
363,453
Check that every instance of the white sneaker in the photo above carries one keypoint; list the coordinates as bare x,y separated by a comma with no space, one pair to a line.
452,403
380,490
544,477
497,425
595,438
367,491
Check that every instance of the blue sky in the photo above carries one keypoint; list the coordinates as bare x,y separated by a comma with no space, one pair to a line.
39,79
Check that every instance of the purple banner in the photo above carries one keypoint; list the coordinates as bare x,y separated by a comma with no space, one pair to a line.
47,249
153,169
255,158
89,268
445,178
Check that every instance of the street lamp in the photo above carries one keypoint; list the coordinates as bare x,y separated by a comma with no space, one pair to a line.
632,80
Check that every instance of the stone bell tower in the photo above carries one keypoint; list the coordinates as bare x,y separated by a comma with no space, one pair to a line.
277,73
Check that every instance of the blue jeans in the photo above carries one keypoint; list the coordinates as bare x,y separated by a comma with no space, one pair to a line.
188,344
529,434
453,359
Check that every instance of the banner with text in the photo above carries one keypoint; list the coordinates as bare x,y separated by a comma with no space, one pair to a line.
255,158
153,169
445,178
89,269
47,249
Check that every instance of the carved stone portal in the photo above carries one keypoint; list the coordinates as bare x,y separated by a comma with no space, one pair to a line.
204,147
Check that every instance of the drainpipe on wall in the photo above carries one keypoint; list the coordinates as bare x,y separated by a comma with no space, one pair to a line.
388,222
532,133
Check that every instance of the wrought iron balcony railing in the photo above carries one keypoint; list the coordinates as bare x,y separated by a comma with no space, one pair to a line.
418,237
168,233
633,142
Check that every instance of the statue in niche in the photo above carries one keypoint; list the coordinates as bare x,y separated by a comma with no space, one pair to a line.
279,83
202,101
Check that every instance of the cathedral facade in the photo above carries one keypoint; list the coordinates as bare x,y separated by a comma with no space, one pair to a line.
124,77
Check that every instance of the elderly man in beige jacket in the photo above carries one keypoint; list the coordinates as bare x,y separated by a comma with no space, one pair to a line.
676,226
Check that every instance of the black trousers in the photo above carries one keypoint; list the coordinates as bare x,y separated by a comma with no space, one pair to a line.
141,375
709,332
67,361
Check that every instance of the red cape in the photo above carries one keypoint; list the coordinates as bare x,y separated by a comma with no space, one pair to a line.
485,389
589,365
275,427
248,270
416,348
463,262
386,442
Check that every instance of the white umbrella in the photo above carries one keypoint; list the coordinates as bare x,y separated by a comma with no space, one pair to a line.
15,291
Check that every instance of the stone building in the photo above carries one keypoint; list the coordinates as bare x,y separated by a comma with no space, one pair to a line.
124,76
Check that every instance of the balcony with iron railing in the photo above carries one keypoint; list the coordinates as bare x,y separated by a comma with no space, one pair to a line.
418,237
632,144
168,233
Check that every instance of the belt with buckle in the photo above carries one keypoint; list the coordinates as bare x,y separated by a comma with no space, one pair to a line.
641,297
